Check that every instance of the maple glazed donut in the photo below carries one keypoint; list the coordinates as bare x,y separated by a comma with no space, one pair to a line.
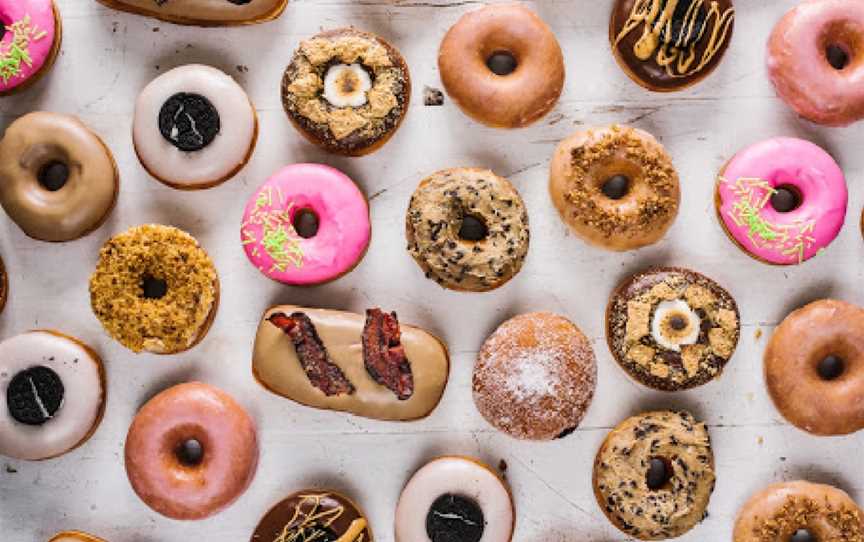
314,515
502,65
191,451
204,12
29,43
74,536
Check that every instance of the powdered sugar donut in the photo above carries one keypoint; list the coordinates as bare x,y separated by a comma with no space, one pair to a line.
30,43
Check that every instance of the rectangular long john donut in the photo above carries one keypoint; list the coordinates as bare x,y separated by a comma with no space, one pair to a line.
203,12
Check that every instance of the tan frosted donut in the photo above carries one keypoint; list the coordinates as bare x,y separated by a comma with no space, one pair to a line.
507,32
58,180
204,12
74,536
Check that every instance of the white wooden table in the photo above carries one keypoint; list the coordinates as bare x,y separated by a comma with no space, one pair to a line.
108,56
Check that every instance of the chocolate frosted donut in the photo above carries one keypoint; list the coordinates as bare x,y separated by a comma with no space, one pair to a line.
314,515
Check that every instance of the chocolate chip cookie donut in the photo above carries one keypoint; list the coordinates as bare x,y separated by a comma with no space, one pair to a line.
672,329
313,515
654,475
467,229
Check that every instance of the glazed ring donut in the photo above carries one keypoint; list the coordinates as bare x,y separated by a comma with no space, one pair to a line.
814,368
74,536
654,475
615,187
810,511
502,65
455,498
155,289
467,229
58,180
52,394
31,42
204,12
314,515
191,451
194,127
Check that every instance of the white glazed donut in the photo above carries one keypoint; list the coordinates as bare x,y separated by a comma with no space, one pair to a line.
178,138
51,394
445,496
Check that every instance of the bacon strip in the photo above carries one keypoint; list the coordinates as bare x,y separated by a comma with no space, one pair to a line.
384,355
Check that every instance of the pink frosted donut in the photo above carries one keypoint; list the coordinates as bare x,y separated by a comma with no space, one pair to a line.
782,200
30,42
816,60
191,451
306,225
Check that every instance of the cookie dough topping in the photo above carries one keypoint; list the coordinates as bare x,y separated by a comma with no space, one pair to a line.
384,355
34,395
346,85
16,55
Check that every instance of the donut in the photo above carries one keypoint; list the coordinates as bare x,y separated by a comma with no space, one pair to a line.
74,536
535,377
782,201
467,229
346,91
204,12
4,285
58,180
194,127
669,45
814,368
155,289
502,65
53,394
191,451
816,60
454,499
314,515
654,475
29,42
615,187
368,365
672,329
307,224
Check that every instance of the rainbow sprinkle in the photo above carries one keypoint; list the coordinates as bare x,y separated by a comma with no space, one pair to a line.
17,55
278,239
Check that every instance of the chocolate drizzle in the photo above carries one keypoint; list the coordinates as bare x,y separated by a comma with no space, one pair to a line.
384,355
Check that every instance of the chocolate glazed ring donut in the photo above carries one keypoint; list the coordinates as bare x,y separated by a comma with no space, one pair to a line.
314,515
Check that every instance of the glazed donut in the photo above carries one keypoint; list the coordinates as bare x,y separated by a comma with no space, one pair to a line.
814,368
30,43
662,60
615,187
314,515
810,511
204,12
467,229
346,91
155,289
535,377
816,60
782,201
53,394
58,180
455,499
194,127
654,475
191,451
307,224
502,66
74,536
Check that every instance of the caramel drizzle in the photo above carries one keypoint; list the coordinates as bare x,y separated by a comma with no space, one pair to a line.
301,523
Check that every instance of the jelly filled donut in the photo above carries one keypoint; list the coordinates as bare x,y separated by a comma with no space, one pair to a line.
467,229
346,91
615,187
155,289
52,394
816,60
191,451
502,66
204,12
535,377
654,475
814,368
782,201
29,44
306,225
74,536
194,127
58,180
314,515
455,499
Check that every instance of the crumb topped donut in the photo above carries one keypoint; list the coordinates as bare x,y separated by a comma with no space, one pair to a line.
467,229
29,44
154,289
346,91
654,475
312,515
615,187
204,12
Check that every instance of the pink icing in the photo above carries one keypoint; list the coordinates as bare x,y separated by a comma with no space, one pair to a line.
748,182
28,41
273,245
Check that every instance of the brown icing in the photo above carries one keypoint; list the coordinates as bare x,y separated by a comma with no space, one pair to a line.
203,12
309,516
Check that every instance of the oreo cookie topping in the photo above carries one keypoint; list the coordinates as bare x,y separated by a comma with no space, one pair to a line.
384,355
34,395
454,518
189,121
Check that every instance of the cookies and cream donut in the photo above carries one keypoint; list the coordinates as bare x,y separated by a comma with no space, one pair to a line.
52,394
29,43
535,377
455,498
194,127
467,229
204,12
654,475
370,365
346,91
314,515
58,180
74,536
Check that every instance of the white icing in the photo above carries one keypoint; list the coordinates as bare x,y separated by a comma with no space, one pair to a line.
679,307
335,94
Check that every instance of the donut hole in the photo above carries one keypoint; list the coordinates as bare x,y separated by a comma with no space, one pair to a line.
831,367
803,535
190,452
502,63
455,518
473,229
153,287
306,223
837,56
53,175
616,187
786,198
659,474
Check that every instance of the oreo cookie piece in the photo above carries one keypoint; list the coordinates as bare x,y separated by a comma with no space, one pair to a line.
189,121
34,395
453,518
